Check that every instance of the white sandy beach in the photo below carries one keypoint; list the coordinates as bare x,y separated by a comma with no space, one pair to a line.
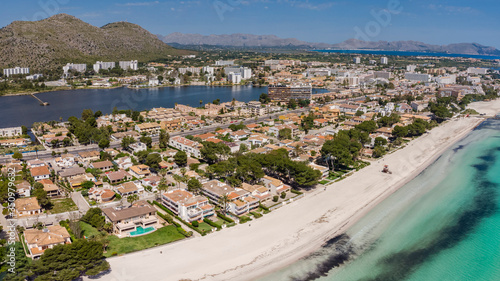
281,237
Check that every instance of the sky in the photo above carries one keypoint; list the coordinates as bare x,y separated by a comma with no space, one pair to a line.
429,21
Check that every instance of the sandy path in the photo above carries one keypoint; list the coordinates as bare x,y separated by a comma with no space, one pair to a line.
264,245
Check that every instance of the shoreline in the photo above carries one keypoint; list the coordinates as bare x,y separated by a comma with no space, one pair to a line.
304,225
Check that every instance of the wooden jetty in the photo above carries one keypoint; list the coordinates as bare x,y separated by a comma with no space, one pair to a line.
41,102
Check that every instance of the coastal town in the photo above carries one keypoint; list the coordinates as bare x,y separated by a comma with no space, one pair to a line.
187,172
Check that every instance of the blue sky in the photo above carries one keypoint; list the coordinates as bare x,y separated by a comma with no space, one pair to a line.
434,22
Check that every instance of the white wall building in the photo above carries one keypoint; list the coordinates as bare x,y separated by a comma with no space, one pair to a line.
357,60
234,78
411,68
103,65
208,69
34,76
245,72
224,62
16,70
125,65
450,79
78,67
417,77
384,60
477,70
10,132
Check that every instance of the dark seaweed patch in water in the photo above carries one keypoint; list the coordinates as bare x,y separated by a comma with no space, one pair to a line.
342,251
400,265
458,148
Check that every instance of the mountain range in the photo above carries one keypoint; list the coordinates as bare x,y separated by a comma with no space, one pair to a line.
250,40
63,38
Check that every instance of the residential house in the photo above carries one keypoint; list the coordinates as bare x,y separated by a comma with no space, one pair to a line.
275,130
40,173
37,241
125,220
65,161
124,162
89,156
71,172
104,166
137,147
23,189
275,185
129,188
324,170
35,163
118,176
27,207
140,171
101,195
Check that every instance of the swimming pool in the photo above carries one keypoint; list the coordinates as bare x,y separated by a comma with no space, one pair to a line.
141,231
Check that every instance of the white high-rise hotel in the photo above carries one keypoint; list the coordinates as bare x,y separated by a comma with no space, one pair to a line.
133,65
16,70
103,65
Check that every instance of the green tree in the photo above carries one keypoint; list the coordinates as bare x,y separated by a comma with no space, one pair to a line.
104,143
24,130
152,160
94,217
214,152
379,141
132,198
148,141
400,131
164,139
194,185
223,201
87,113
180,158
127,141
17,155
285,134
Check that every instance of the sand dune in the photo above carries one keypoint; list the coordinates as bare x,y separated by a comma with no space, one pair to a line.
248,251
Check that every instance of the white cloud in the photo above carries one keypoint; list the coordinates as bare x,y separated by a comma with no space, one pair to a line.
453,10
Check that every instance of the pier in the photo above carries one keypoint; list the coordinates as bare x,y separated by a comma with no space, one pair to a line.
41,102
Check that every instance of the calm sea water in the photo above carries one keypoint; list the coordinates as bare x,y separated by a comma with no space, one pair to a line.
408,54
443,225
25,110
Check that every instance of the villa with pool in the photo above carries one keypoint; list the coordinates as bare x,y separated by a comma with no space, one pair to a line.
138,219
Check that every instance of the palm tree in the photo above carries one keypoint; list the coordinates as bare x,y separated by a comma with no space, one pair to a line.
177,179
132,198
223,201
162,187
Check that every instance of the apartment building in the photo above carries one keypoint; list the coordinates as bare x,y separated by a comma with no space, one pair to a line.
15,71
126,65
187,206
192,148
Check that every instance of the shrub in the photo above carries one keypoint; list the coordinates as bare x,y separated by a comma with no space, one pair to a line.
211,223
244,219
296,192
256,214
264,207
229,220
195,224
283,195
114,254
275,198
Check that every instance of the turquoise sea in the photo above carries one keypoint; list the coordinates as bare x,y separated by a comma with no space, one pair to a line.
443,225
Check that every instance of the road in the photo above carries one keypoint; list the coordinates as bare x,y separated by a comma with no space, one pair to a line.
116,144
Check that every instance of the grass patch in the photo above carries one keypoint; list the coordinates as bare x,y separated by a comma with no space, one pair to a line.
203,226
324,182
125,245
219,222
63,205
244,219
88,230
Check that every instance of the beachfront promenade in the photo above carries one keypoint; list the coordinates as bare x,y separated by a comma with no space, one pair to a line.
247,251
